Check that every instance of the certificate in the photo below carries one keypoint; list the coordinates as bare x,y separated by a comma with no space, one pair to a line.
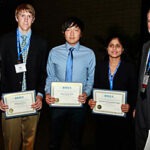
19,103
147,145
66,94
109,102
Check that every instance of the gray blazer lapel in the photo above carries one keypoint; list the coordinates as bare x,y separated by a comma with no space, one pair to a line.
145,51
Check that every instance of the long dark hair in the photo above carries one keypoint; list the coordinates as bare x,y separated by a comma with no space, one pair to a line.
121,38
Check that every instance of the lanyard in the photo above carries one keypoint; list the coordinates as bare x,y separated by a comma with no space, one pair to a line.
147,68
111,77
146,73
18,46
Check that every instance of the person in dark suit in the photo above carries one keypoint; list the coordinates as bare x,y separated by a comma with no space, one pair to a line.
115,73
142,115
30,54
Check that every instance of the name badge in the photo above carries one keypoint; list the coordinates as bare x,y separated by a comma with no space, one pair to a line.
20,68
145,82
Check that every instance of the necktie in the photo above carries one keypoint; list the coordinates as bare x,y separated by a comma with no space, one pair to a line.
69,66
24,38
24,57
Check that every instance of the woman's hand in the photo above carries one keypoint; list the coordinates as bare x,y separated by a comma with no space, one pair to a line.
125,108
92,103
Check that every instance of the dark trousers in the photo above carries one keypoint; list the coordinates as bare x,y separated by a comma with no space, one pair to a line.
113,133
141,135
75,117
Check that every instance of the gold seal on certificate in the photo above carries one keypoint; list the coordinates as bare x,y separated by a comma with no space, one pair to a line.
11,110
109,102
66,94
19,103
99,106
57,100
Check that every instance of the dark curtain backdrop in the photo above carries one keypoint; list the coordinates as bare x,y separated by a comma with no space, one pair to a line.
101,18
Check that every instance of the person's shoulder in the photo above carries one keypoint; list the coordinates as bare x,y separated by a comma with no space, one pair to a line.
101,63
8,35
7,38
129,65
40,41
87,49
58,47
101,68
146,44
38,37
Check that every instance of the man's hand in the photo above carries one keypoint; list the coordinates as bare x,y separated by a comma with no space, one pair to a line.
49,99
82,98
38,104
3,107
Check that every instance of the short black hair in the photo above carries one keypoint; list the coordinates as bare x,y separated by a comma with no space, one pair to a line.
72,21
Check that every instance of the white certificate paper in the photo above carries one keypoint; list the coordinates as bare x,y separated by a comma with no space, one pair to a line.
109,102
147,145
66,94
19,103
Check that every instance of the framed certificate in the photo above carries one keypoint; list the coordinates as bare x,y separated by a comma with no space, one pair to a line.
66,94
147,145
19,103
109,102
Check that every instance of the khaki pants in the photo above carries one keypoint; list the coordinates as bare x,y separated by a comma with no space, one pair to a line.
19,133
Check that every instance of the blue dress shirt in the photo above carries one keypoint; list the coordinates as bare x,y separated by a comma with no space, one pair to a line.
28,34
83,66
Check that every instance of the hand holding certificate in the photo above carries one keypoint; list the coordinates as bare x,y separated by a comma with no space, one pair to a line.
66,94
19,103
109,102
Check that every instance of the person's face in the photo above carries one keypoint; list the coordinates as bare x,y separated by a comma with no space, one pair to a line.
148,22
114,48
72,35
25,20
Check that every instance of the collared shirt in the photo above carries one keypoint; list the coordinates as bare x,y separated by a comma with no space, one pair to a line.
83,66
28,36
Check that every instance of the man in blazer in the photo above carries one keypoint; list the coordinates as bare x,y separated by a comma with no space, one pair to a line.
22,69
142,116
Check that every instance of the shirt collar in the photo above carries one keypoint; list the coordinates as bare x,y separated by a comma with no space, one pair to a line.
28,33
75,46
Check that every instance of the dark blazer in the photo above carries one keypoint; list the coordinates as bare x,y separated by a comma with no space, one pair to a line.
36,64
124,80
143,102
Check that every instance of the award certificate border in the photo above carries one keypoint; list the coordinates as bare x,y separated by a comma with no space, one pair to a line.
109,93
9,112
65,84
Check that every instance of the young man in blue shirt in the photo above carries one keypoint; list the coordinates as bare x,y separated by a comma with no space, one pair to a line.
83,72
